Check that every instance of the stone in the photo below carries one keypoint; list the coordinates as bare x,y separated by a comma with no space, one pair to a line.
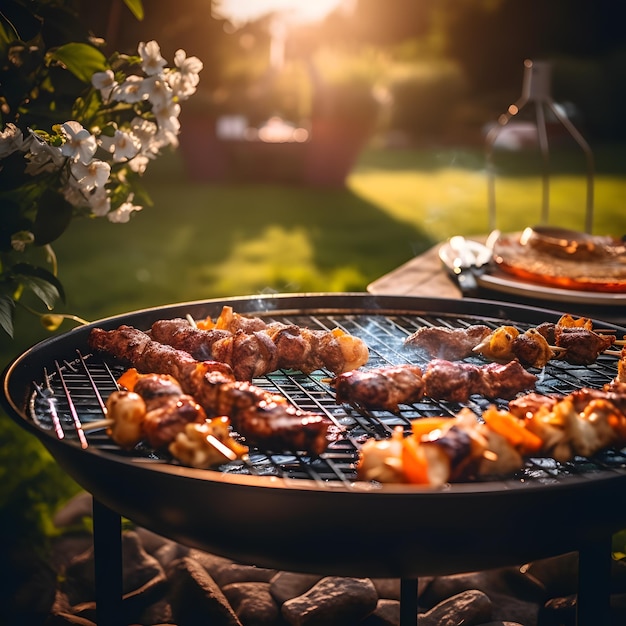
469,608
559,612
387,613
67,619
152,542
388,588
496,581
141,572
225,571
287,585
196,598
512,596
74,511
170,552
253,603
333,601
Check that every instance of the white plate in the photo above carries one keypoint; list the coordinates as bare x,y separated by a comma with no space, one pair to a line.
506,284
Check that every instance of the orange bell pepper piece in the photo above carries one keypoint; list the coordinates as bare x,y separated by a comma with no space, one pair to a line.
128,379
513,430
414,464
424,425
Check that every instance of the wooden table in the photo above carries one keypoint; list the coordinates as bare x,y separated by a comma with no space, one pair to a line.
425,276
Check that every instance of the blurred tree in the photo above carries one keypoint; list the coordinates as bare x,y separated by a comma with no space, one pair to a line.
383,23
187,24
491,38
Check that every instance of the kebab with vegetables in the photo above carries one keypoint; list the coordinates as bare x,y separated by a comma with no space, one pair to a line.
443,449
262,418
569,339
153,408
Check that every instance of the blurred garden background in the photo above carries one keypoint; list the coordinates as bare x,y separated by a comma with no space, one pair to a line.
319,155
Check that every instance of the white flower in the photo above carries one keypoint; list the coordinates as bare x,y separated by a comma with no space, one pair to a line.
139,163
99,202
158,93
131,90
80,144
121,215
152,61
123,146
168,122
75,195
42,157
105,83
11,140
145,131
94,174
185,81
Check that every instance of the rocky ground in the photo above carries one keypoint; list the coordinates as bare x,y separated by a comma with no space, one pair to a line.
166,583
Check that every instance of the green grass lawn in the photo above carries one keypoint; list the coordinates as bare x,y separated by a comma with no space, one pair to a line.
203,240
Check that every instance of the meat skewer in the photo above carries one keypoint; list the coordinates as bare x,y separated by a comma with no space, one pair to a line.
443,449
297,347
154,408
387,387
248,354
569,339
263,418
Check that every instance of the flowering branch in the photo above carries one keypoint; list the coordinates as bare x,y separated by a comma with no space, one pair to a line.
122,117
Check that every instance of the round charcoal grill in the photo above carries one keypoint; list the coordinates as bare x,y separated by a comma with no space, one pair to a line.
288,510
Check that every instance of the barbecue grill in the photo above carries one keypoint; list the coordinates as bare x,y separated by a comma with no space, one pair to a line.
289,510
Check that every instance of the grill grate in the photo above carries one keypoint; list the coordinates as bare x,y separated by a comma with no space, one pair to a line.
73,393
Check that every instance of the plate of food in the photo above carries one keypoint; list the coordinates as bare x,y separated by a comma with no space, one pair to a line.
553,263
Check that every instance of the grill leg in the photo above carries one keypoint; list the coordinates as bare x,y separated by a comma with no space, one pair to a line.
408,602
107,545
594,583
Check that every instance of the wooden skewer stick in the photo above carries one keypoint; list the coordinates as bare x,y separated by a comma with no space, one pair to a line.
103,423
223,449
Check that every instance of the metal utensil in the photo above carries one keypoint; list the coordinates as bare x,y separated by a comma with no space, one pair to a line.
466,260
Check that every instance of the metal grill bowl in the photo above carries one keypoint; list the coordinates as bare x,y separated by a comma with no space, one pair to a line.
312,515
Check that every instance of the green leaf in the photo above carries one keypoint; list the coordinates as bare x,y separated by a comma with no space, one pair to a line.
6,314
80,59
45,285
135,7
53,217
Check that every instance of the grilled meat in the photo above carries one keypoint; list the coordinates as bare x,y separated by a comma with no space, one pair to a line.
298,348
570,339
528,404
383,388
449,449
248,354
442,342
582,346
168,408
252,350
455,381
264,419
153,409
